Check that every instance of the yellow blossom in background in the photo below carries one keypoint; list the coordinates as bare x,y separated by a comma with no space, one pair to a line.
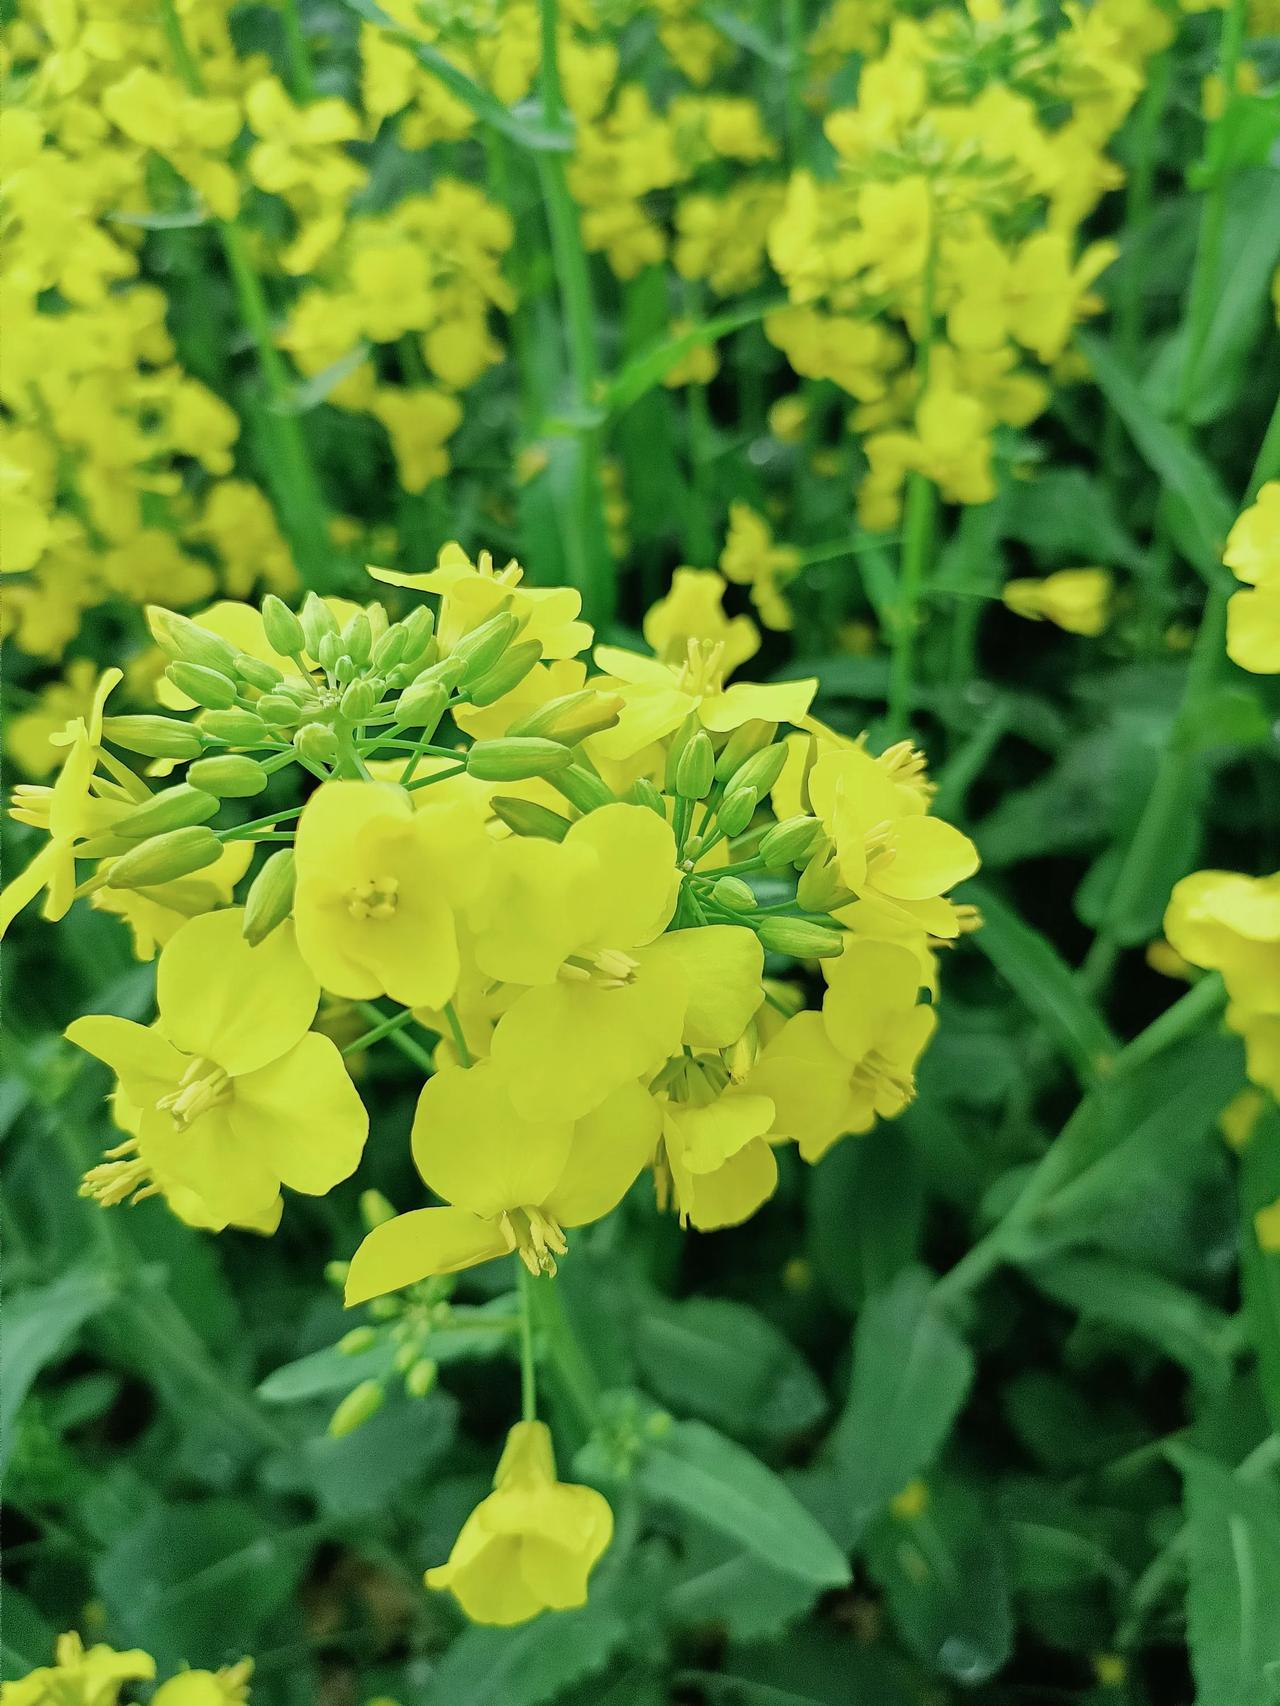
1252,554
751,558
1077,600
1230,923
79,1676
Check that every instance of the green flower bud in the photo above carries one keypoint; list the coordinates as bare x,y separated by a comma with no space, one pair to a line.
422,706
696,767
571,717
375,1210
280,710
358,701
419,628
357,638
301,692
270,897
643,793
679,740
799,938
735,894
736,812
186,641
175,808
404,1359
317,620
154,737
421,1378
514,759
175,854
760,771
821,888
483,646
357,1340
527,818
336,1273
356,1408
237,727
389,648
316,743
230,775
746,740
283,629
791,842
258,672
583,788
509,671
206,686
330,651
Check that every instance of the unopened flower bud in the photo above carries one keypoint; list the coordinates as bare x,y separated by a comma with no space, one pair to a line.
282,628
791,842
270,897
236,727
356,1408
679,740
483,646
186,641
736,811
571,717
281,710
735,894
643,793
696,768
375,1210
509,671
229,775
422,706
316,744
745,741
389,648
357,1340
421,1378
175,808
317,620
583,788
153,737
175,854
330,651
527,818
208,687
357,638
799,938
419,628
821,887
516,758
258,672
358,701
760,771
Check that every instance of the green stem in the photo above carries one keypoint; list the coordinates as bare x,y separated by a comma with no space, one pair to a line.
574,1372
302,83
239,831
1267,466
574,280
1137,207
411,1050
528,1366
397,1022
455,1031
794,19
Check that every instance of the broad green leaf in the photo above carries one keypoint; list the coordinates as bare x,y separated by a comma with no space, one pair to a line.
26,1639
1044,983
727,1364
737,1592
1067,513
530,1664
944,1577
37,1326
1135,1301
363,1472
1204,512
325,1373
699,1472
911,1374
866,1209
1233,1589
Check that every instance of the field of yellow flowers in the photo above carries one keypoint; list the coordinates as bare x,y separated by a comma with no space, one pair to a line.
642,945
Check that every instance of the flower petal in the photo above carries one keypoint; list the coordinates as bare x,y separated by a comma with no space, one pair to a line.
305,1116
233,1004
413,1246
474,1148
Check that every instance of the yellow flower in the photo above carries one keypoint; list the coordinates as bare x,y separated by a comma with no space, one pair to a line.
715,1148
532,1544
697,646
1252,550
511,1183
751,558
1253,554
1253,629
418,423
836,1071
378,886
235,1094
79,1676
1078,600
472,592
28,735
226,1687
697,366
1231,923
154,915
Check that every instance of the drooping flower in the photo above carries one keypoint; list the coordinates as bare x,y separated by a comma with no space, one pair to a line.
1078,600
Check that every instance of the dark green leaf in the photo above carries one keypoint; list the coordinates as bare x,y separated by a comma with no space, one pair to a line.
37,1326
530,1664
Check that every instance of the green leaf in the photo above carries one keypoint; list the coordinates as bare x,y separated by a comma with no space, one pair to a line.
27,1638
699,1472
1143,1304
1233,1588
326,1372
736,1592
1044,983
37,1326
1200,507
530,1664
363,1471
647,369
727,1364
911,1374
1259,1183
944,1577
866,1209
1066,513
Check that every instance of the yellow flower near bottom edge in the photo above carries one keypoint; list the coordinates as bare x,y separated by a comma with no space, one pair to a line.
1077,600
531,1545
79,1676
1253,629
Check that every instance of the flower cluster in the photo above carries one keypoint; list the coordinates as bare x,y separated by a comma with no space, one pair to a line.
94,1676
1229,923
601,899
1253,555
